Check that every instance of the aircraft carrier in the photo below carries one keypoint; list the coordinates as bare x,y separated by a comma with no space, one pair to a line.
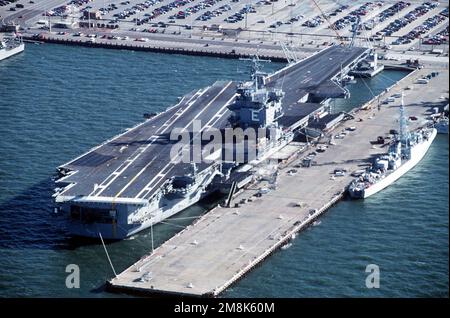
131,181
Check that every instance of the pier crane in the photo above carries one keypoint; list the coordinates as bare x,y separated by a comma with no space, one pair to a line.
291,56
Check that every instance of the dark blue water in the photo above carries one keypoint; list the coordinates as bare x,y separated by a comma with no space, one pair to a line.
57,102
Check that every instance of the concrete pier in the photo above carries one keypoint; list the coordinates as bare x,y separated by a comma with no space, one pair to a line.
199,46
222,246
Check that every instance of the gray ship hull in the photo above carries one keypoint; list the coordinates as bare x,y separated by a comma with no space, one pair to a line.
6,53
125,185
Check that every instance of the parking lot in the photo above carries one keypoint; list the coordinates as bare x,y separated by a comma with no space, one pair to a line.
418,31
437,38
397,25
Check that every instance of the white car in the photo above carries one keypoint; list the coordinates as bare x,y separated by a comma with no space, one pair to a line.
292,172
422,81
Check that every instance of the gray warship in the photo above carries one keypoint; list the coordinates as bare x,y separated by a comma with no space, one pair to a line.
133,180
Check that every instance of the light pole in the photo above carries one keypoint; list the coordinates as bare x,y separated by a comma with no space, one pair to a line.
49,23
191,23
151,231
290,15
246,13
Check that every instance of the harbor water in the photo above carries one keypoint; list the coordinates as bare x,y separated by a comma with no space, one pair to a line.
57,102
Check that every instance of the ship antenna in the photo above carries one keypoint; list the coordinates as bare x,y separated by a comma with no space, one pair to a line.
403,122
404,134
256,74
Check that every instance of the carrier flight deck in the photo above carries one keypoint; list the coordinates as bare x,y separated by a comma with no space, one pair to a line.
116,188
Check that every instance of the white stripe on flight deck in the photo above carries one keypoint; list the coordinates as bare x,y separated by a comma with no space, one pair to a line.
134,178
221,111
207,105
147,188
141,150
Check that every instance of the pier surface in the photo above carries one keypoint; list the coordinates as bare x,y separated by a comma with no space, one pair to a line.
220,247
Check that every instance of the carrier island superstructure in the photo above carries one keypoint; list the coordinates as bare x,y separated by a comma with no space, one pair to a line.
132,181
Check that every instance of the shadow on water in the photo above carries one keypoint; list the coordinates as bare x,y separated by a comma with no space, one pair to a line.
27,220
99,290
429,105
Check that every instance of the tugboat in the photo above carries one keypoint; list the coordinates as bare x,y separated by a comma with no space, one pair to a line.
404,153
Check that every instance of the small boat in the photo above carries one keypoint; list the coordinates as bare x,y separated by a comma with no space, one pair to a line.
286,246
